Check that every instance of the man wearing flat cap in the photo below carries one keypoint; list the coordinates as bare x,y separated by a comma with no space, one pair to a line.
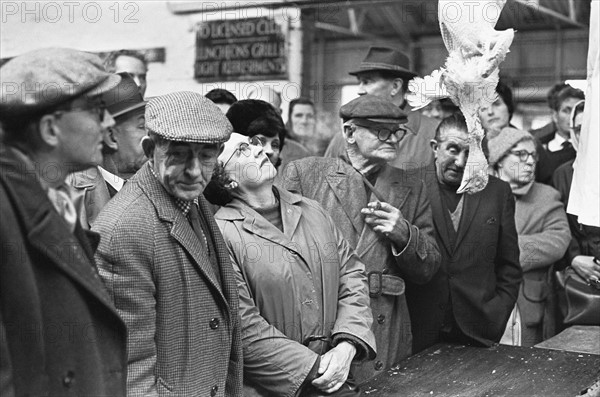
61,334
385,72
122,149
382,211
164,260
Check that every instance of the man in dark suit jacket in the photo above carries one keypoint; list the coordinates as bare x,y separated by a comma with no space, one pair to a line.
60,333
469,300
164,260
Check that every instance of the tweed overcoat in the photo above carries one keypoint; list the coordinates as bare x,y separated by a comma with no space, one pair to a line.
303,282
340,189
184,325
480,275
60,333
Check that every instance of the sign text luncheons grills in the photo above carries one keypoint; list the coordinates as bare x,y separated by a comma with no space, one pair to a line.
233,50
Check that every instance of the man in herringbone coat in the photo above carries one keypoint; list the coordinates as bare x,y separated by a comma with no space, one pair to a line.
165,263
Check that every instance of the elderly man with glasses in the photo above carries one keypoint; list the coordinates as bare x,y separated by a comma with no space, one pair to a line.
382,211
61,334
164,260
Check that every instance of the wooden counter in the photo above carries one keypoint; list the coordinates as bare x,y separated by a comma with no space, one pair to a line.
452,370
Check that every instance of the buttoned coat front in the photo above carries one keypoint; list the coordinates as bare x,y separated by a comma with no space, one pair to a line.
184,329
480,274
303,282
60,333
340,189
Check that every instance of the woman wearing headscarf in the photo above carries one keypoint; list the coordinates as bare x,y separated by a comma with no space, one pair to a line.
541,224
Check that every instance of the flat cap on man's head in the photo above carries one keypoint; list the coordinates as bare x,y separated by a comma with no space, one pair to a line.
373,108
49,77
187,116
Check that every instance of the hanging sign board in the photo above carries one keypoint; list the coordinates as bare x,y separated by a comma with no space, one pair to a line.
240,50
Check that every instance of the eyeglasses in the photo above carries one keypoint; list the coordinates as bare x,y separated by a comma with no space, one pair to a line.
523,155
244,148
383,134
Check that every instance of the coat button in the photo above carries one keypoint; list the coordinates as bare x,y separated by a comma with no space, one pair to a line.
214,323
69,379
378,366
214,390
381,318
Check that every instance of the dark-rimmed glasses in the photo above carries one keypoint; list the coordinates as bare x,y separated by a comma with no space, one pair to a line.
383,133
244,148
98,109
523,155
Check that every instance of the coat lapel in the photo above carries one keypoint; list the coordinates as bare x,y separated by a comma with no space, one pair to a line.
47,232
437,211
469,210
181,230
340,185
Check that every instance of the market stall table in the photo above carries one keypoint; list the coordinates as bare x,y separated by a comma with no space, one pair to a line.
454,370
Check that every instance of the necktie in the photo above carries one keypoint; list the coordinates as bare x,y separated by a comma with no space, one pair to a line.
194,218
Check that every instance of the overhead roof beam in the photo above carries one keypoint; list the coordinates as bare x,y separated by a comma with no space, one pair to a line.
550,12
190,7
340,29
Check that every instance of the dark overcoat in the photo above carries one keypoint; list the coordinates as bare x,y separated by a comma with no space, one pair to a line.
340,189
184,324
60,333
480,274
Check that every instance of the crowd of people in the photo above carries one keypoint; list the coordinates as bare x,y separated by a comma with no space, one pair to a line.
191,244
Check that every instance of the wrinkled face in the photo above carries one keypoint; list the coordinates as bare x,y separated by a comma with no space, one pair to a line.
518,166
495,117
303,120
135,67
130,130
451,154
245,163
80,128
561,117
271,147
371,148
373,83
184,169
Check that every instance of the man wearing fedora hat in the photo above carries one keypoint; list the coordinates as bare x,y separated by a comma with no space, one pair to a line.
61,334
164,260
385,72
123,153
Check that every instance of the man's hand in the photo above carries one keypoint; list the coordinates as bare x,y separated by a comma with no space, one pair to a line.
386,219
334,367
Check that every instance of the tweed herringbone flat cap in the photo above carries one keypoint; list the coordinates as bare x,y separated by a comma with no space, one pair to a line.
187,116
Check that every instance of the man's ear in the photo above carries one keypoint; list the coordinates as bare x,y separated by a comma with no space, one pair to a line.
349,129
48,130
434,146
148,146
555,116
109,138
397,87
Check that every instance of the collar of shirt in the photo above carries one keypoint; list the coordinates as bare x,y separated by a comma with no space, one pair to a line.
556,144
113,180
184,206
